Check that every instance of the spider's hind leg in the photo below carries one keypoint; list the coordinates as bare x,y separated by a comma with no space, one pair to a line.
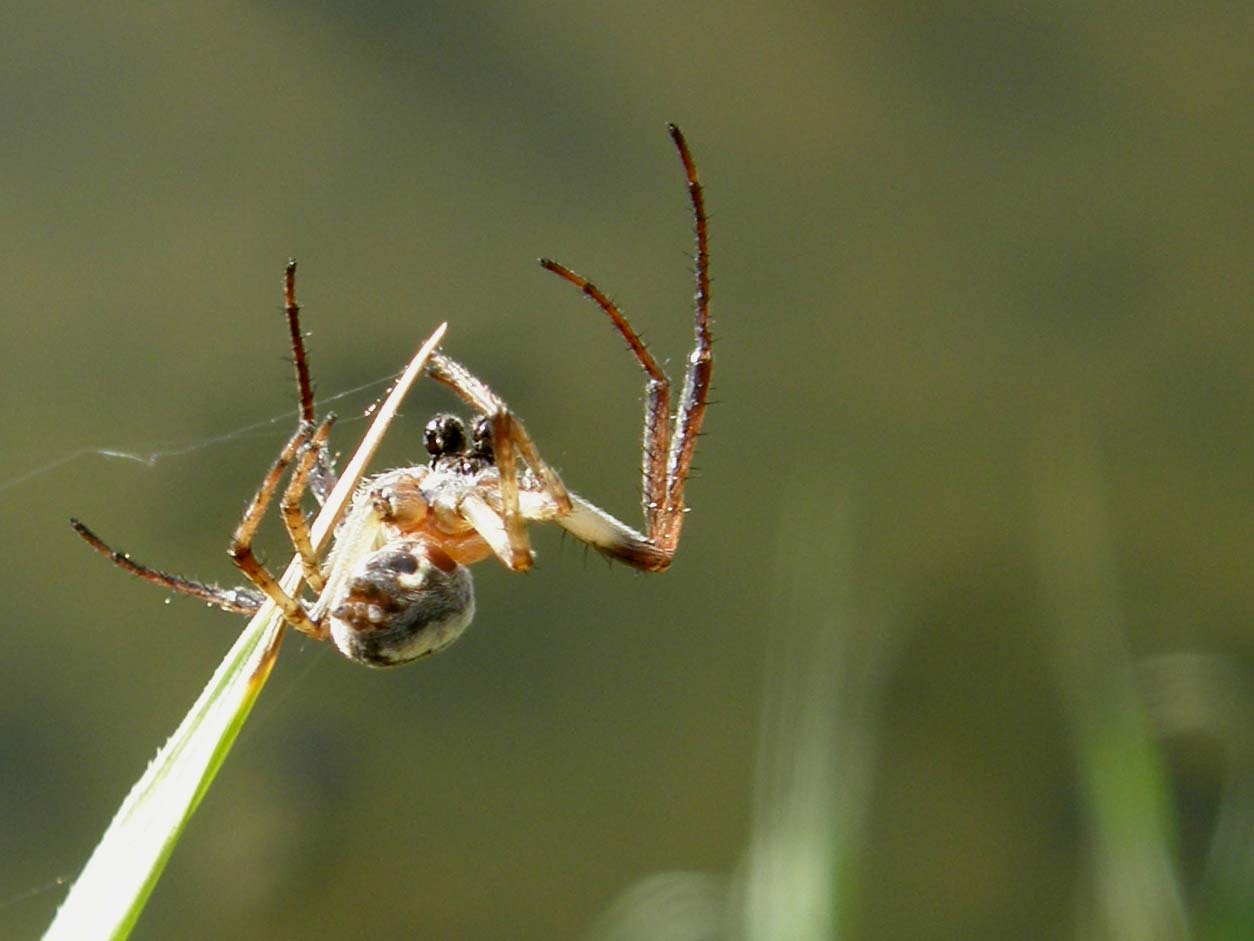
311,453
241,548
321,476
234,600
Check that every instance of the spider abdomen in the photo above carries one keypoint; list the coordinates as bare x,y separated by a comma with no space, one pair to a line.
404,601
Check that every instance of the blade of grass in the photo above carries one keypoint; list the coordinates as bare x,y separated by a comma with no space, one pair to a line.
109,895
1136,888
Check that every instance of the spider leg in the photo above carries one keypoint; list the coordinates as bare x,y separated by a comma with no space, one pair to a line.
489,524
657,398
234,600
693,400
667,453
588,522
241,548
503,434
314,472
297,528
322,477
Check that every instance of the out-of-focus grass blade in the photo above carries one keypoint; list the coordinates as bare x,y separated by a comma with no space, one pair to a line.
1136,888
826,671
110,893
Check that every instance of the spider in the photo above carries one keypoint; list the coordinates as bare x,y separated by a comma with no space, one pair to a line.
396,585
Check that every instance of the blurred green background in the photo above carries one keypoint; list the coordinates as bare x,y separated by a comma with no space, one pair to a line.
958,643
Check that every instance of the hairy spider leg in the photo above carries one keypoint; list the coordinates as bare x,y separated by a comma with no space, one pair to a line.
695,397
309,441
293,518
657,398
234,600
322,476
241,547
666,454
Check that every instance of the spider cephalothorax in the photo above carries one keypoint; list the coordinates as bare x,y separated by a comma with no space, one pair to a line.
396,584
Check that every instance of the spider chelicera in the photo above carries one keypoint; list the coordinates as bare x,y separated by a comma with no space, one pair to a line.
395,585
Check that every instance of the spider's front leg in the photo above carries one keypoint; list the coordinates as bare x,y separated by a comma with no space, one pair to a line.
667,453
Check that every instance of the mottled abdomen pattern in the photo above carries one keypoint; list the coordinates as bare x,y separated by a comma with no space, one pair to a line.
400,605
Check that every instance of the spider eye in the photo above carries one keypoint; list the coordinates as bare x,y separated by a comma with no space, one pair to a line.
481,439
444,434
